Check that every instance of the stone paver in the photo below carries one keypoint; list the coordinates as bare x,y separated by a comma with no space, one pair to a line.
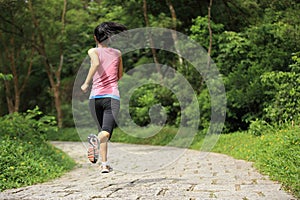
194,175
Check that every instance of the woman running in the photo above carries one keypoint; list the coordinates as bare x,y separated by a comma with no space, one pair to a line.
105,71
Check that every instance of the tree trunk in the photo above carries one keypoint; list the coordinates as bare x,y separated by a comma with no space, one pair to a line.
210,35
153,50
14,98
54,75
9,100
13,68
7,83
174,27
56,92
58,71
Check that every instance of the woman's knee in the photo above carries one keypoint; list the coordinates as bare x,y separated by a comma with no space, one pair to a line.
103,136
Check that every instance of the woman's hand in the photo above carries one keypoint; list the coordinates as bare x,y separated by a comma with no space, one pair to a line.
85,87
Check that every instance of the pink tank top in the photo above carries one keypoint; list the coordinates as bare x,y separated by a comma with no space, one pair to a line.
105,80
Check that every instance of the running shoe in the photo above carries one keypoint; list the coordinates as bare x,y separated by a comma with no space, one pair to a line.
105,168
93,148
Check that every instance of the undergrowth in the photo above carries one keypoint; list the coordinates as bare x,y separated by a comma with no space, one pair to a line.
26,157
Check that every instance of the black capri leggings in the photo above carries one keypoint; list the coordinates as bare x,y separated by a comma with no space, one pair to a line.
105,112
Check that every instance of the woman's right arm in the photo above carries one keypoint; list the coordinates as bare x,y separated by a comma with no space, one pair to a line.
120,71
94,65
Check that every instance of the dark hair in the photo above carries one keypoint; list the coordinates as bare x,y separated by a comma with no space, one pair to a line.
108,29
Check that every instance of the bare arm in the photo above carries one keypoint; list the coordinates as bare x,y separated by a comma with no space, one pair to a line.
120,72
94,65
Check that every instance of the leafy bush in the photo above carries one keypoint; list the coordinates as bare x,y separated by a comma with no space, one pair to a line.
284,90
259,127
30,126
25,157
150,103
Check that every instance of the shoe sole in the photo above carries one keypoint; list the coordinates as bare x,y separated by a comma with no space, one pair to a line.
105,171
93,149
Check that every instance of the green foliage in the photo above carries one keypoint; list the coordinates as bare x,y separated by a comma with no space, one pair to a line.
243,57
251,39
31,126
25,163
26,158
149,103
152,102
259,127
141,101
125,12
149,135
253,42
200,33
68,119
66,134
284,91
280,158
295,67
275,153
5,77
152,135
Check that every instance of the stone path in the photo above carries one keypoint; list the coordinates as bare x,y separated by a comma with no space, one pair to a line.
194,175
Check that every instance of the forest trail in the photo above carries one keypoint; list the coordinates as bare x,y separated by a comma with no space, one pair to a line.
194,175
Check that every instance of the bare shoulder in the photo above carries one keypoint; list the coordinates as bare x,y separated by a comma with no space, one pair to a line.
92,51
118,52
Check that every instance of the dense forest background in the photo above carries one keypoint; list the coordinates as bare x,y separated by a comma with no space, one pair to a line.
254,43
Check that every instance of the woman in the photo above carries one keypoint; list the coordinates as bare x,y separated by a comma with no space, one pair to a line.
105,71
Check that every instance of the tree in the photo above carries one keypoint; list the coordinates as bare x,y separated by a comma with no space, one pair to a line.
44,41
153,50
210,33
262,47
174,27
247,39
17,55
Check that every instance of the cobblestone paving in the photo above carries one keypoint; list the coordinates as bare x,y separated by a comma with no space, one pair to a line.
194,176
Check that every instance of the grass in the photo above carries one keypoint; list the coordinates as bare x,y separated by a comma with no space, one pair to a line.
26,157
66,134
150,135
24,163
274,153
